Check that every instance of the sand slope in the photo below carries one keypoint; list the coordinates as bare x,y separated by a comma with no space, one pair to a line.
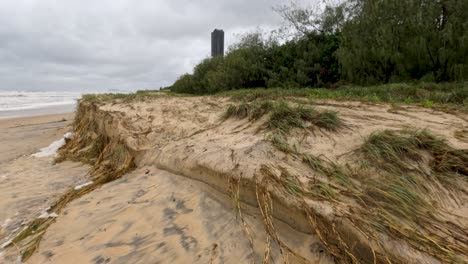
153,216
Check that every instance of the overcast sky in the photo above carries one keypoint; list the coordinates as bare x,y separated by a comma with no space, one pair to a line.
88,45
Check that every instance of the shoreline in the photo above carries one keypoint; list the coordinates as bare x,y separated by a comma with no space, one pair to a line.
37,112
24,135
22,121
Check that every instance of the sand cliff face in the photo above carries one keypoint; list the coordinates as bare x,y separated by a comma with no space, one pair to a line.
274,205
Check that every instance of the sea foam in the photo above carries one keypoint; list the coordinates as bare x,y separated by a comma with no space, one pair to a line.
51,150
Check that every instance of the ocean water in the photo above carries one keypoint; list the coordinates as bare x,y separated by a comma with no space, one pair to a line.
31,103
13,100
23,103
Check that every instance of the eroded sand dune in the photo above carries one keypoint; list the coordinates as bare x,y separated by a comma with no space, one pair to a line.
184,186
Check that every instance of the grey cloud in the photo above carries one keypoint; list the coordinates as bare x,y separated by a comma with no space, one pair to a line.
115,44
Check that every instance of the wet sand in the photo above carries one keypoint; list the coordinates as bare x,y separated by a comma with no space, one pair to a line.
25,135
37,112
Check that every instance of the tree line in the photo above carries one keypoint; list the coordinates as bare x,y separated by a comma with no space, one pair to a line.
363,42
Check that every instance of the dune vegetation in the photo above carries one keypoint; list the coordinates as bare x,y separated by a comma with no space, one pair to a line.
406,167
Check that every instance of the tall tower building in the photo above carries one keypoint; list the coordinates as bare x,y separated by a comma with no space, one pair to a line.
217,43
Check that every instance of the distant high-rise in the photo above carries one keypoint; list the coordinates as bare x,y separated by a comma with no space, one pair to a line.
217,43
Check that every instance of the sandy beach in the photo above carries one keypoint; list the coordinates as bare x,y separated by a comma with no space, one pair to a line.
28,184
25,135
40,112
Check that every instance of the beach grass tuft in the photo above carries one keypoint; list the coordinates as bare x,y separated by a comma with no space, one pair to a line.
283,117
240,111
401,198
253,110
406,150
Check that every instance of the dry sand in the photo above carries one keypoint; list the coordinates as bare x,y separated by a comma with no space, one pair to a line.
153,216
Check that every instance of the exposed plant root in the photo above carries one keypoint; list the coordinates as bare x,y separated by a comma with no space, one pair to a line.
234,191
270,179
265,204
110,159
